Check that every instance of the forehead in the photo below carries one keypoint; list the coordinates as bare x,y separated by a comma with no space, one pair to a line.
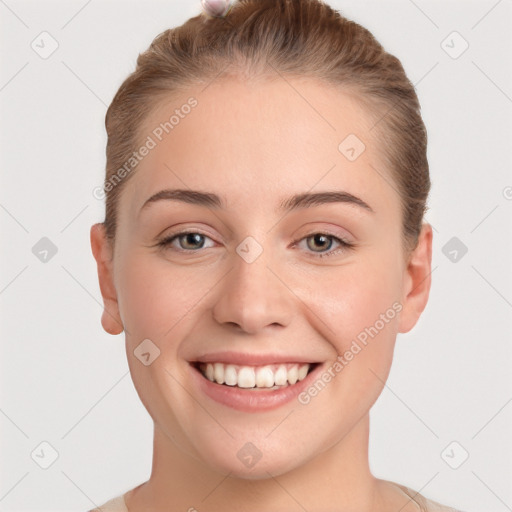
253,140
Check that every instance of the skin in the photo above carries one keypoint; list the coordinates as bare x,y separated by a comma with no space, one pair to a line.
256,143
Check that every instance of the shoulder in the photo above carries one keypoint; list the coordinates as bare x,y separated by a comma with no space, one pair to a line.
116,504
425,504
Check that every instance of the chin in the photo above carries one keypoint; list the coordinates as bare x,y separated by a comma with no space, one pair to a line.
248,461
261,470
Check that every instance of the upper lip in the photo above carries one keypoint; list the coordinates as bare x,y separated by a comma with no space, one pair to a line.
244,359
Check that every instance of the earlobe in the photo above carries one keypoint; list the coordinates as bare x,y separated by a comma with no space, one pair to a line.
102,252
417,280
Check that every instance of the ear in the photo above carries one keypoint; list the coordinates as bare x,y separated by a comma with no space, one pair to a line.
417,280
102,251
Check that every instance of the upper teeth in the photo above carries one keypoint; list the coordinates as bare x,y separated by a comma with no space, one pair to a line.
250,376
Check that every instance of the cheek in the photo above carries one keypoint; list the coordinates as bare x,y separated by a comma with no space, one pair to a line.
354,298
156,296
360,304
361,308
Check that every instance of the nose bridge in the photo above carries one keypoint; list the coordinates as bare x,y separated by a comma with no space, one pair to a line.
252,296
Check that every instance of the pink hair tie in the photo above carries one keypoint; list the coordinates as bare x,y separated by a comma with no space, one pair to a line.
217,8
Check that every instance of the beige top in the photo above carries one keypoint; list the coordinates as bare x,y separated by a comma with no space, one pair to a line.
118,504
114,505
425,504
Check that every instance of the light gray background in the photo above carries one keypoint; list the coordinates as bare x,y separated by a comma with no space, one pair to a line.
65,381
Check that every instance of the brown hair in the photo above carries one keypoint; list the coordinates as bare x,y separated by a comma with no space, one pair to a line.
298,38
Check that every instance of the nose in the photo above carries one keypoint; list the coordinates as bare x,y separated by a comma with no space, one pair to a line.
254,296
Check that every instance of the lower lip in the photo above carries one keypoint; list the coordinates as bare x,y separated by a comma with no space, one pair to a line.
252,400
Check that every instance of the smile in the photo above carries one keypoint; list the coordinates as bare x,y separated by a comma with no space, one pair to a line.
252,377
255,387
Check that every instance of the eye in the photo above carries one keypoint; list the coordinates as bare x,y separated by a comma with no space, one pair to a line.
325,240
189,241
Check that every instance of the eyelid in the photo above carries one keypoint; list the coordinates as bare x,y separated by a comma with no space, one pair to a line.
166,240
323,228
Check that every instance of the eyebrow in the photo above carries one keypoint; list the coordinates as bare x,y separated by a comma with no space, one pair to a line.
298,201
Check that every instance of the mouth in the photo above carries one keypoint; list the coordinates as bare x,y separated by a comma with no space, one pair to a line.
270,376
253,387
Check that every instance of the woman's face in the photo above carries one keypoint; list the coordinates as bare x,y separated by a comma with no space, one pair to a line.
252,286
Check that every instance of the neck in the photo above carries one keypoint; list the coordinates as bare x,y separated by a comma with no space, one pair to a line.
338,478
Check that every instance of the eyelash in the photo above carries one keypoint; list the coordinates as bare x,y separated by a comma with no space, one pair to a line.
345,245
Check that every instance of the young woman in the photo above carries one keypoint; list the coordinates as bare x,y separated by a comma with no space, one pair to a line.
263,245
